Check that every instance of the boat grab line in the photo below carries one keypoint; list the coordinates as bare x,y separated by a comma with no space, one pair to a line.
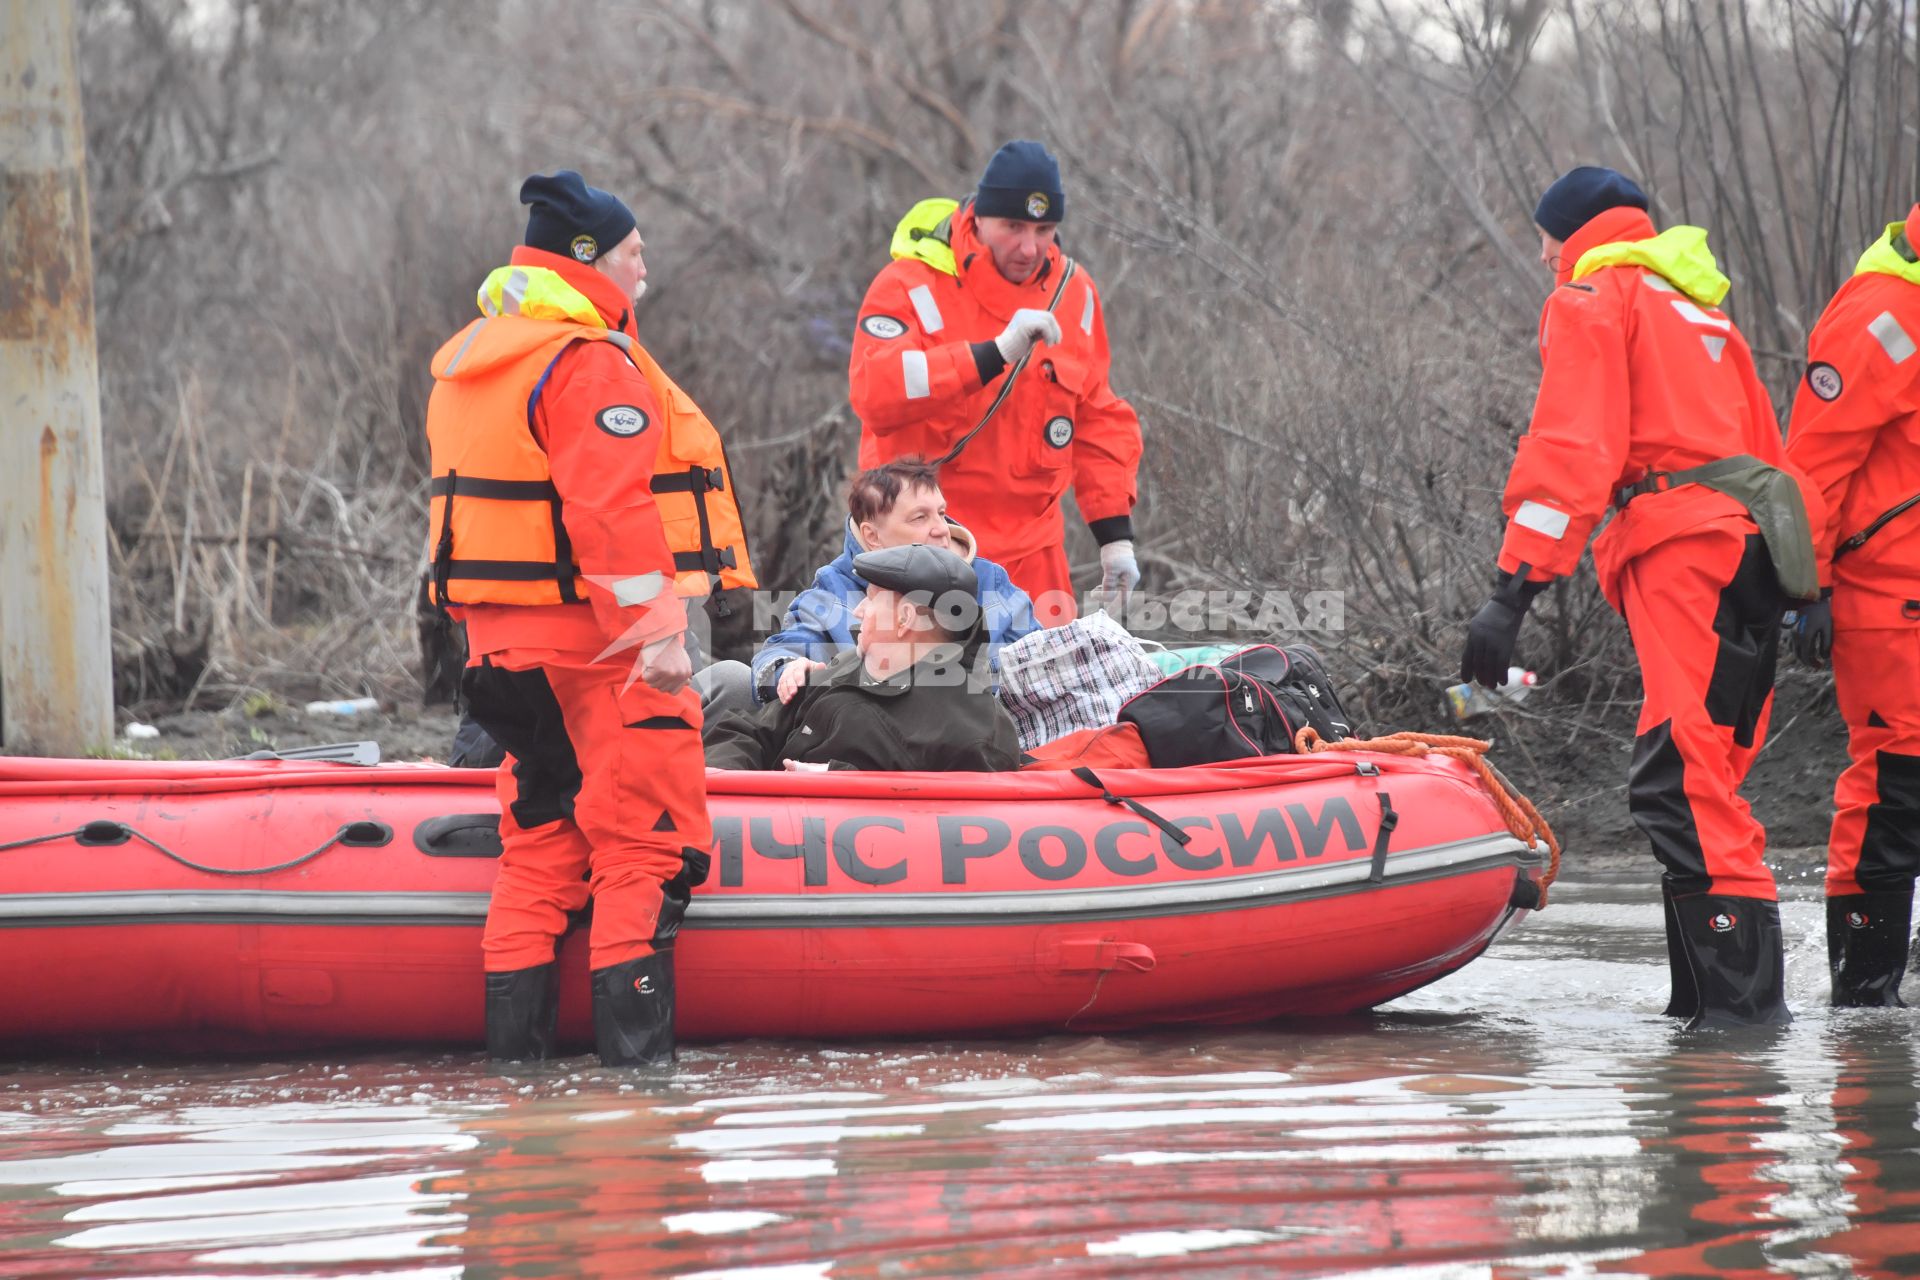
751,911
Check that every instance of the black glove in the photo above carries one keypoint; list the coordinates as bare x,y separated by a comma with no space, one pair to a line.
1813,631
1491,634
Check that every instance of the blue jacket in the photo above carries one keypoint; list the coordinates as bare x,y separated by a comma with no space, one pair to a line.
819,622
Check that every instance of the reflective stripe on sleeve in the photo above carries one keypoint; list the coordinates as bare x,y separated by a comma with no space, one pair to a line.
1086,314
638,589
926,308
1543,519
1892,338
913,371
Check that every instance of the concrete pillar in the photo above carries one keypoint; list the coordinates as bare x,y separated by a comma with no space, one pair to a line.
56,665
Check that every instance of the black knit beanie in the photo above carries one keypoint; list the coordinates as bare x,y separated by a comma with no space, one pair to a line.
1579,195
1022,181
571,218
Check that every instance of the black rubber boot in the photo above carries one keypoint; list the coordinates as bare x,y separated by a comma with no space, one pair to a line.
1867,938
1685,1001
523,1013
1734,949
633,1011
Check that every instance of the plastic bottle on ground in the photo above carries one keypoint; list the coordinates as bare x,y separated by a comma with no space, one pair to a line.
343,706
1469,700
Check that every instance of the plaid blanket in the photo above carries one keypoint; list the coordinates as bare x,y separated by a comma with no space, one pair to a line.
1059,679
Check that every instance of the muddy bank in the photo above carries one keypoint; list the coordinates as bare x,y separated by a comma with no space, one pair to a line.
261,724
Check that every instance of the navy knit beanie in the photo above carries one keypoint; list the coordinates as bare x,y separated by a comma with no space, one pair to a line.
571,218
1022,181
1581,194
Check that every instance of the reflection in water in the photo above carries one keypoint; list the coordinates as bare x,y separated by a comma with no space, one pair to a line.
1533,1115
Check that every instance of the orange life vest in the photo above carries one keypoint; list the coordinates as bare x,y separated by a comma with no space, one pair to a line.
495,528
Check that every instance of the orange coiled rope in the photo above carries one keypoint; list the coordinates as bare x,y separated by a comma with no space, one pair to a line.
1522,819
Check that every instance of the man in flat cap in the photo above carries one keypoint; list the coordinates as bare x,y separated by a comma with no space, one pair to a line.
915,692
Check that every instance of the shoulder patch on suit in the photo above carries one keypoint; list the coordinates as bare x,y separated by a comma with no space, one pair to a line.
621,420
1824,380
882,327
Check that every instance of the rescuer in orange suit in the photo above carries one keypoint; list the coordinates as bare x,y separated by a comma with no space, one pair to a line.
577,495
1855,431
979,304
1649,403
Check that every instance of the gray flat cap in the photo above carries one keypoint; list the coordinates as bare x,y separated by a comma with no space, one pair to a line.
918,567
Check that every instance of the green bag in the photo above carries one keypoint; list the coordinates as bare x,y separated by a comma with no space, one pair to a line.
1773,500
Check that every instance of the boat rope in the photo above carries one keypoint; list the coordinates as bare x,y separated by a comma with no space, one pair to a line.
1518,812
359,835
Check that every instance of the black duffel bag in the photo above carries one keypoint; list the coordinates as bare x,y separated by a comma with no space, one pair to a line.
1251,703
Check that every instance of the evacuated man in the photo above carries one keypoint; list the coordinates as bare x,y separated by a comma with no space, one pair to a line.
982,347
1855,431
551,431
1649,403
892,505
914,694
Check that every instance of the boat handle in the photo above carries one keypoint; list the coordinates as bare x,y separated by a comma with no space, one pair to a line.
104,832
1101,955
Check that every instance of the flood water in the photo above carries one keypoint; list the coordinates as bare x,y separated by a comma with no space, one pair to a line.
1533,1115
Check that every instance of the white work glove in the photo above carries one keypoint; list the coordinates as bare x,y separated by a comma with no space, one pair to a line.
1119,573
1028,326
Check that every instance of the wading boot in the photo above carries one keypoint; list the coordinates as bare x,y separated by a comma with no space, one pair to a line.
523,1013
1734,948
1685,1001
1867,936
633,1011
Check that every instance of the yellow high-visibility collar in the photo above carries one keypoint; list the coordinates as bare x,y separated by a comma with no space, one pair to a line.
1883,256
1679,255
536,293
926,234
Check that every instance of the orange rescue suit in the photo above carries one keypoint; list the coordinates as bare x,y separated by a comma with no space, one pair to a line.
550,433
917,390
1855,431
1639,376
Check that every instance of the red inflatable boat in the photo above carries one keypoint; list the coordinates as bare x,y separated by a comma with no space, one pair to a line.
253,905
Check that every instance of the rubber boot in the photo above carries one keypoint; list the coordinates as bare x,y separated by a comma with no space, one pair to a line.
1685,1001
523,1013
1867,937
1734,948
633,1011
